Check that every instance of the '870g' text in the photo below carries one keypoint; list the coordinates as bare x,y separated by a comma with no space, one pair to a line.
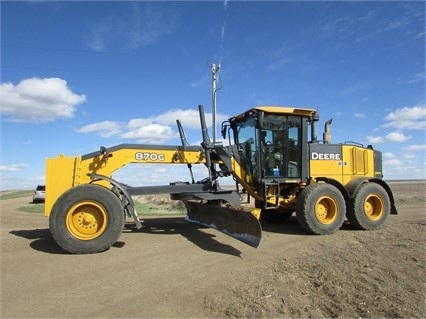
149,157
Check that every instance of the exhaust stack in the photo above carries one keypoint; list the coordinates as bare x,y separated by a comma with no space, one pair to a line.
327,133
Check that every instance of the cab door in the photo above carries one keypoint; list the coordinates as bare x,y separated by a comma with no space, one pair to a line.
281,146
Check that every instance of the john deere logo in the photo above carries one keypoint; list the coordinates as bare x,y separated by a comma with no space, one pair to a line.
326,156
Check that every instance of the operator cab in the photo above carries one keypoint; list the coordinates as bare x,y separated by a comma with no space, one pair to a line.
272,142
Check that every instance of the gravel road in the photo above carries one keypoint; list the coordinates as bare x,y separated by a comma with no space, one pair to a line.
171,268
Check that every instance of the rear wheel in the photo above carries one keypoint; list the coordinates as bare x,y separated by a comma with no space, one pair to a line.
370,208
320,209
87,219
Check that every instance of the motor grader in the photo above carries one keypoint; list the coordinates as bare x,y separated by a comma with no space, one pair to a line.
275,157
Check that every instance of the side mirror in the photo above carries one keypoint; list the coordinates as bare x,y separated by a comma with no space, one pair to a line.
223,130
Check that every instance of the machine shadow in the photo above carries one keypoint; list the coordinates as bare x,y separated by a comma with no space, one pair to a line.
292,227
289,227
192,232
42,240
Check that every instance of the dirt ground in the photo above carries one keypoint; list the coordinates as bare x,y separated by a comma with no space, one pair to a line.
171,268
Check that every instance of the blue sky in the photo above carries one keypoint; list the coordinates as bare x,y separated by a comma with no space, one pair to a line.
78,75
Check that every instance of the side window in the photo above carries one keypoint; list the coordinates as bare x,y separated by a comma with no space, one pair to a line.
294,154
294,126
293,136
246,142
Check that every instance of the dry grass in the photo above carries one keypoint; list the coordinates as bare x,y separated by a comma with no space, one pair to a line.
158,205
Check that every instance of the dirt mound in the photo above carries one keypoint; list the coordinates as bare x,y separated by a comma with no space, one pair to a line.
358,274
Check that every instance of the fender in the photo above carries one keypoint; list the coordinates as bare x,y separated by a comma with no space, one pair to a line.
336,184
130,207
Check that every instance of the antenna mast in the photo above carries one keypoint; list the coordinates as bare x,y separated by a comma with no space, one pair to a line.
215,71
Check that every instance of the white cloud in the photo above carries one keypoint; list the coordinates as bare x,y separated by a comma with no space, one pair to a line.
99,36
360,115
388,155
397,137
189,118
38,100
391,137
393,162
415,147
136,123
409,156
143,24
418,77
154,174
13,167
355,88
409,118
103,129
147,25
154,129
375,139
401,22
156,133
405,118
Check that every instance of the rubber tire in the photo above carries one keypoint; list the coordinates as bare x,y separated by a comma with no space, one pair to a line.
306,208
96,194
357,215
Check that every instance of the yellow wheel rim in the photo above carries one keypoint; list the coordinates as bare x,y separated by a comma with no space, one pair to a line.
373,207
86,220
326,210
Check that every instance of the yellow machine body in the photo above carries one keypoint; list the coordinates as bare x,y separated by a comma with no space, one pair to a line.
63,172
342,163
274,155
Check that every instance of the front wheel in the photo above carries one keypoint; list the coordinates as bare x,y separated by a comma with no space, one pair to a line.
320,209
370,208
86,219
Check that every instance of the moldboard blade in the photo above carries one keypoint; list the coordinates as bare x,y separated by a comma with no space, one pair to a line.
240,225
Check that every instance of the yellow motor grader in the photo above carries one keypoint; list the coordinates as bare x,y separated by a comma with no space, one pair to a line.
275,157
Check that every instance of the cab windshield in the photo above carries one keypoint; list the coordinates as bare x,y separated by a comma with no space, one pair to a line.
273,149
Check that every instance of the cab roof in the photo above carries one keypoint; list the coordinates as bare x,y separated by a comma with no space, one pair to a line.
277,110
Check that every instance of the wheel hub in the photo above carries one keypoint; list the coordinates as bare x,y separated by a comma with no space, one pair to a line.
86,220
373,207
326,210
